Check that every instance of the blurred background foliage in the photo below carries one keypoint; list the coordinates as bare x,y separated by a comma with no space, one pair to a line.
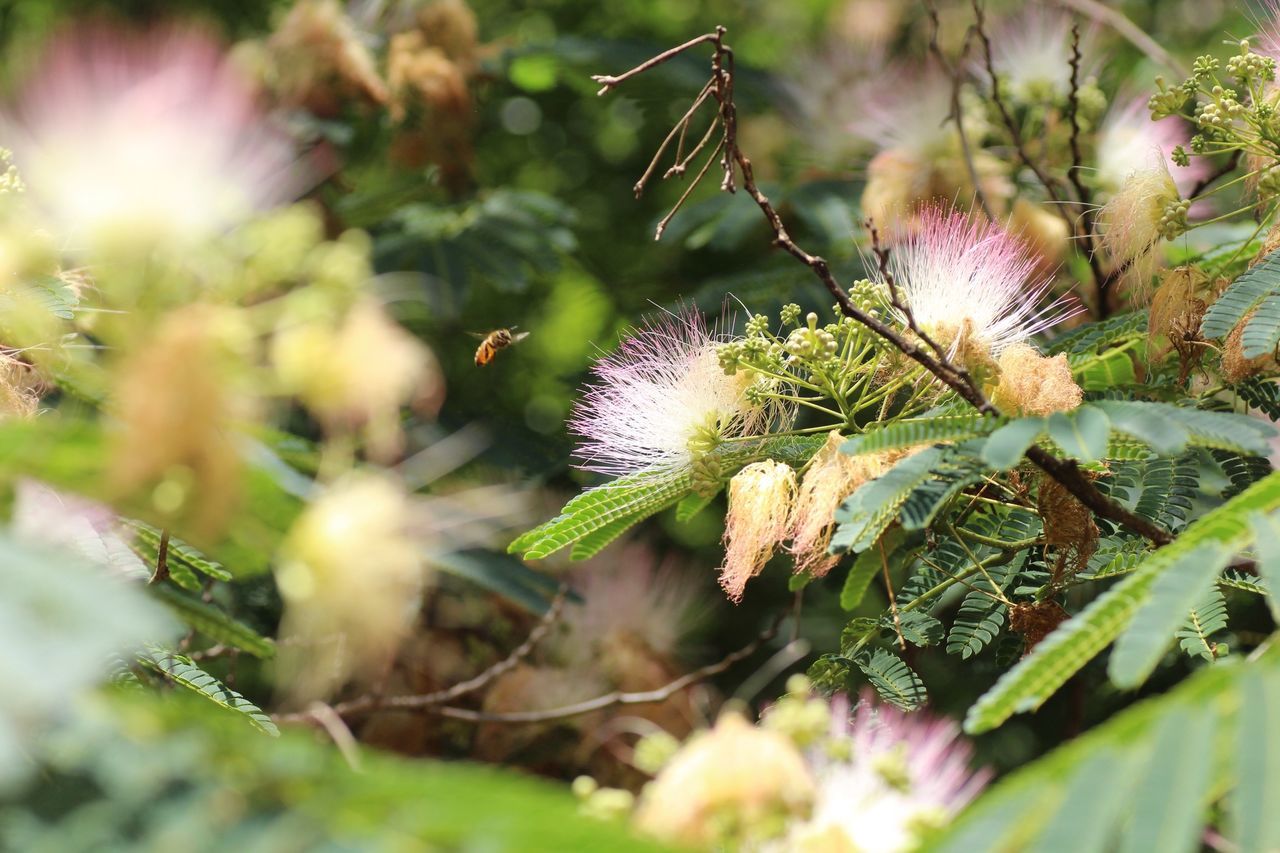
527,221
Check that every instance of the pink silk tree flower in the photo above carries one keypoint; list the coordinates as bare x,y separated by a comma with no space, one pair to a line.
1127,139
662,400
900,774
143,137
970,283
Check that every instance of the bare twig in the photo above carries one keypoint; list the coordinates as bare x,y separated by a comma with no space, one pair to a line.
162,558
680,127
1083,194
1115,19
1015,135
329,720
607,82
608,700
666,220
373,702
957,112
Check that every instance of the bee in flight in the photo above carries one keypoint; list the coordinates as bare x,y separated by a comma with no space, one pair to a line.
496,340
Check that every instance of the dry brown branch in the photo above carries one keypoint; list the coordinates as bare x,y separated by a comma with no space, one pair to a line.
1115,19
373,702
608,700
957,113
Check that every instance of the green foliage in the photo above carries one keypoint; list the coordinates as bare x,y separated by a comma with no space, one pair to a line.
182,671
164,766
605,512
1172,595
865,567
1146,779
896,682
1245,294
61,622
499,573
1092,338
981,615
212,622
1225,530
876,504
926,429
1207,618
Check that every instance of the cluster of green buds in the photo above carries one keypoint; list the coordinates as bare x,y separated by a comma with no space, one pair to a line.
1173,222
1233,106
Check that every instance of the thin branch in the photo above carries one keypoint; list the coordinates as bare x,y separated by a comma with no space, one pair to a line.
162,558
1050,185
608,700
370,703
893,598
666,220
607,82
1115,19
329,720
957,112
1083,194
680,127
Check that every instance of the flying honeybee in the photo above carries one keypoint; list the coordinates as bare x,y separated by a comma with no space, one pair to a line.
494,341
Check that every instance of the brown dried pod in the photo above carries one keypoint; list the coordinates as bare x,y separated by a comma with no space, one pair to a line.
1069,529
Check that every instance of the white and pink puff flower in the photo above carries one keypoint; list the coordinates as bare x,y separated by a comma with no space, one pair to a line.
144,136
660,398
962,277
903,773
1128,140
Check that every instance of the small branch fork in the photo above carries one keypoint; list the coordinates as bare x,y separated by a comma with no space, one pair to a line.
373,702
929,355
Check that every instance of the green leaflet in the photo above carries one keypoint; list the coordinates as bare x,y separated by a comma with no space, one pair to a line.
625,499
1094,336
896,682
1266,532
691,505
1207,617
605,512
1147,778
873,507
1104,371
1148,423
1254,816
1081,433
1035,678
213,622
502,574
864,568
1166,806
181,556
1262,394
183,672
1241,297
1172,596
980,617
1263,330
928,429
1005,447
